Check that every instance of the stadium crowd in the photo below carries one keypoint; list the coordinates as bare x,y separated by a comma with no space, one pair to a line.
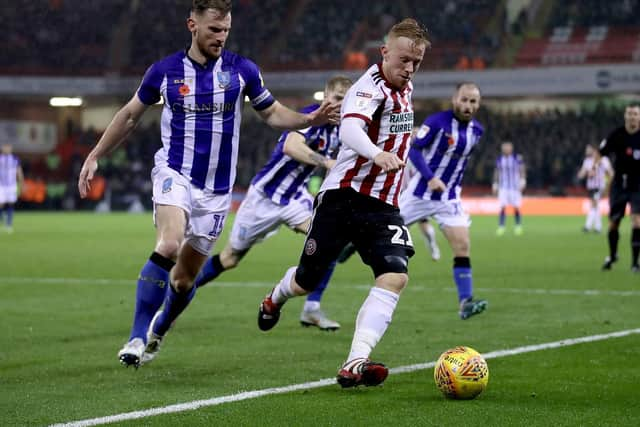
552,143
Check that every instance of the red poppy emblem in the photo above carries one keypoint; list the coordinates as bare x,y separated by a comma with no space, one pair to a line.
184,90
450,141
629,151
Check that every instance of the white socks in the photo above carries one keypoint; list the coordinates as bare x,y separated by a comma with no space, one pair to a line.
430,234
372,321
311,305
594,220
282,292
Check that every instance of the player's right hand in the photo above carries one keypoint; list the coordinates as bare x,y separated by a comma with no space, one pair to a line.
436,184
327,113
89,168
388,162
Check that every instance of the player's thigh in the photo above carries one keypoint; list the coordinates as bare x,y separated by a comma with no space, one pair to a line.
515,198
503,197
458,238
412,208
327,236
8,194
297,214
450,213
256,218
383,241
208,215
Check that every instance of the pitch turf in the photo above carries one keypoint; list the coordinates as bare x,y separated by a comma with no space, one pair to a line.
66,300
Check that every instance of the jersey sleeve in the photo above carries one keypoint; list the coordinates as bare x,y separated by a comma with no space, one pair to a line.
149,90
606,146
259,95
361,101
427,132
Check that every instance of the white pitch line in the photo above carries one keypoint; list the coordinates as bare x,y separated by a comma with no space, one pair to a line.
190,406
269,285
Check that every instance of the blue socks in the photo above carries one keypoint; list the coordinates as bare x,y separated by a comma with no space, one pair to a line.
462,277
518,217
503,217
174,304
209,271
152,286
316,295
9,210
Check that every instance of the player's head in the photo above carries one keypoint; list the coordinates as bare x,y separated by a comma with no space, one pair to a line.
336,88
6,148
209,23
506,148
466,101
403,51
589,150
632,117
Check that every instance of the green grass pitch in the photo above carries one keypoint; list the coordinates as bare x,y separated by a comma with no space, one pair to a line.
67,285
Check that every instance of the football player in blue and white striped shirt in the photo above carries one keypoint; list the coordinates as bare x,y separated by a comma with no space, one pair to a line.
440,152
509,181
278,195
11,178
203,90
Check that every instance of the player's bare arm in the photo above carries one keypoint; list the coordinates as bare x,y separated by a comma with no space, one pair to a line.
280,117
295,147
123,123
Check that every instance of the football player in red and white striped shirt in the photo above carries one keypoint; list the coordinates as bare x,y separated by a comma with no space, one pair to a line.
358,201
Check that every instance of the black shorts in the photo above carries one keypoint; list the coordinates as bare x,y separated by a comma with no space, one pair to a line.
595,194
374,227
618,199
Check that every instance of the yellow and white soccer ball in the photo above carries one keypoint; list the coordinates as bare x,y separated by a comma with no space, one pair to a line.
461,373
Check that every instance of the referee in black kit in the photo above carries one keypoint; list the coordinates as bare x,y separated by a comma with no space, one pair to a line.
623,147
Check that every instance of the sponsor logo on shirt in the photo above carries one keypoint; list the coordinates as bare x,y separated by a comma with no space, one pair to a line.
401,122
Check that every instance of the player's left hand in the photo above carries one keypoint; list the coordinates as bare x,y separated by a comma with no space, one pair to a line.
388,162
327,113
89,168
436,184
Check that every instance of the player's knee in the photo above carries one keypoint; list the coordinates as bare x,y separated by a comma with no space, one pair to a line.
390,264
309,276
394,282
168,248
182,283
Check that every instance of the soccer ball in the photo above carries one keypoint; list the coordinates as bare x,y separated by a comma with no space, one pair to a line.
461,373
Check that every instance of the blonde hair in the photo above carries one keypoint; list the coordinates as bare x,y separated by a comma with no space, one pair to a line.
338,81
411,29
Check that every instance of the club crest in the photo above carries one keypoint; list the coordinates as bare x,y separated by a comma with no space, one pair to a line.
224,79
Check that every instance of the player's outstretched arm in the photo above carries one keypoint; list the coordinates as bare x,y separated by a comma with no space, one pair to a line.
280,117
295,147
118,130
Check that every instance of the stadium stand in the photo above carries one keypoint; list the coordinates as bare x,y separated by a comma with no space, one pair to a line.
586,32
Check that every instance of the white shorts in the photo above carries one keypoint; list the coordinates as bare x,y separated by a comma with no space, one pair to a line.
258,216
8,194
509,198
206,212
447,213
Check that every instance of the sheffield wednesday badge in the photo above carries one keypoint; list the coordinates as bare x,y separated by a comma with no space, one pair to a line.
224,78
